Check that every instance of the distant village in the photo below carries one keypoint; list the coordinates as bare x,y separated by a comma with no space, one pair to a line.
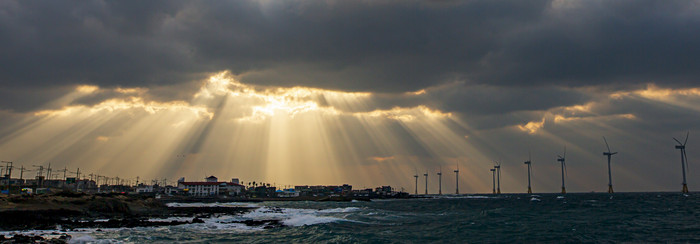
210,188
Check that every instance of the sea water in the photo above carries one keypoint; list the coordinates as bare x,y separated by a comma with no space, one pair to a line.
595,217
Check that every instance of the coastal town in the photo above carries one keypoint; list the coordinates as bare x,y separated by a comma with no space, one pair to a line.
208,189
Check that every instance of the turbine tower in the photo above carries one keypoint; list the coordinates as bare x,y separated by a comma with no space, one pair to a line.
416,176
528,162
440,181
493,175
426,183
684,159
498,176
457,180
609,154
563,170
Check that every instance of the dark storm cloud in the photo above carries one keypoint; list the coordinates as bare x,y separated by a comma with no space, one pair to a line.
379,46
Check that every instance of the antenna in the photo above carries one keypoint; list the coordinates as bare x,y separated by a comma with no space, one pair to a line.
609,154
563,170
684,159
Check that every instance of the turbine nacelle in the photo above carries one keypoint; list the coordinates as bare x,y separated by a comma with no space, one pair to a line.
609,153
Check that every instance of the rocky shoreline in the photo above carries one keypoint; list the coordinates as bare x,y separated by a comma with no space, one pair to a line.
67,211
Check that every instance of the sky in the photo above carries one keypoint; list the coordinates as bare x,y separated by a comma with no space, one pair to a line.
367,93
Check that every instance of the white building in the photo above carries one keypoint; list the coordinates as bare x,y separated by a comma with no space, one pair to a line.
141,188
210,187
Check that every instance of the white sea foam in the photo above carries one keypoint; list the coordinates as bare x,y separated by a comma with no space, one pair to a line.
83,239
298,217
340,210
535,199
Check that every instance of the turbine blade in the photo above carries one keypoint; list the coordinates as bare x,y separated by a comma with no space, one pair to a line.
686,138
686,161
606,144
679,142
564,152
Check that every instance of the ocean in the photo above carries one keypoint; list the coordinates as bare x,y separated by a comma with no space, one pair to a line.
577,218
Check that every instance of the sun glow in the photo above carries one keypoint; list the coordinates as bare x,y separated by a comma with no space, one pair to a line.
290,135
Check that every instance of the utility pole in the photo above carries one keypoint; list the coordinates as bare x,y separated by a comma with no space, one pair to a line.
48,172
8,174
39,173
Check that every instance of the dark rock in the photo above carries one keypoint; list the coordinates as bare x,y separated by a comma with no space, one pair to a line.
68,193
197,221
266,224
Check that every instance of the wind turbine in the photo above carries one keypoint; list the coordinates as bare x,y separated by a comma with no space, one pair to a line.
609,154
528,162
457,180
563,170
493,175
684,159
416,176
498,176
440,181
426,182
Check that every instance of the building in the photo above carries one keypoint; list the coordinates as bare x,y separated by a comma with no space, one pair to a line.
141,189
209,188
287,193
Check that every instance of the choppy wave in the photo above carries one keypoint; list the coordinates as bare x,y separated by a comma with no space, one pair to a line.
638,217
